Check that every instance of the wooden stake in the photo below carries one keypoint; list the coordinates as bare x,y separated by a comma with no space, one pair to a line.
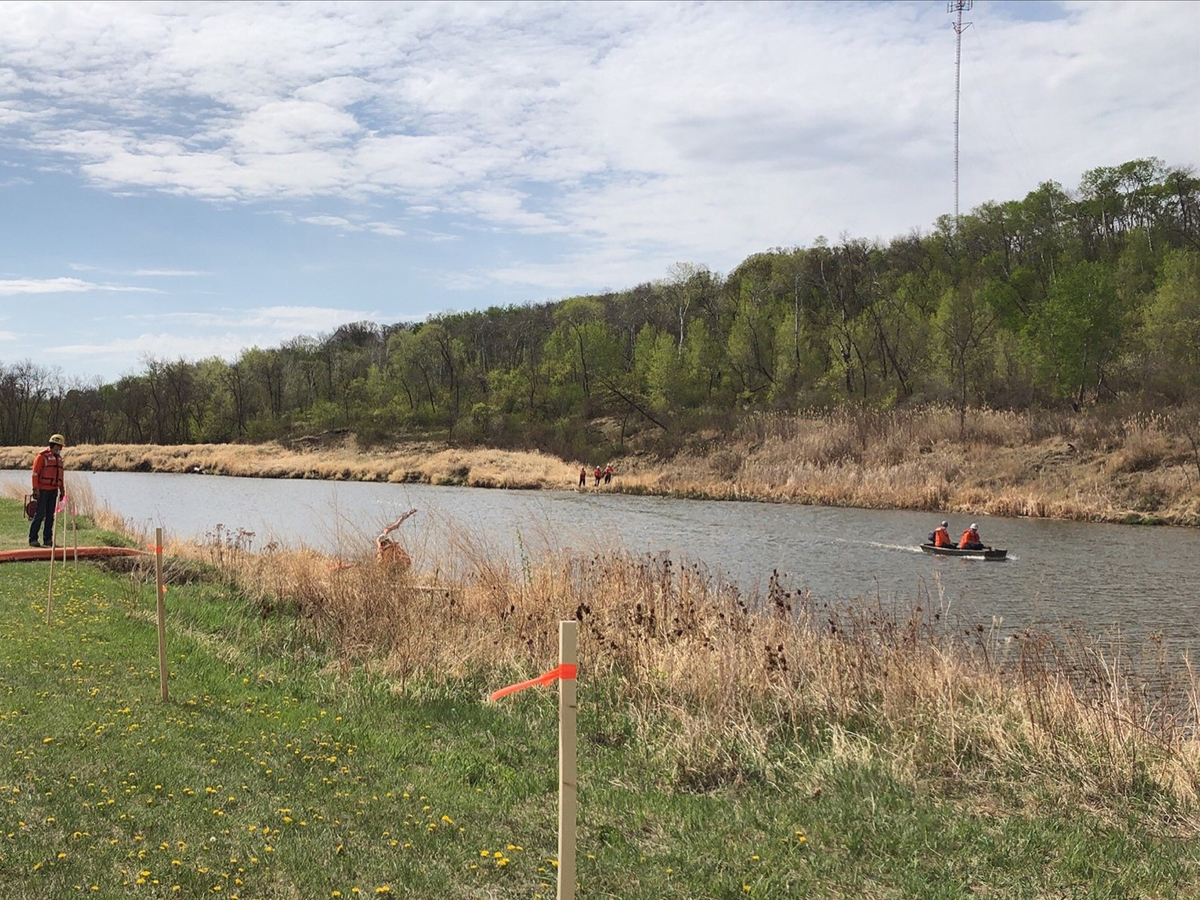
567,778
162,614
50,586
74,535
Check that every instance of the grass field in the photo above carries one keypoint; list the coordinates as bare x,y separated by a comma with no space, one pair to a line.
294,760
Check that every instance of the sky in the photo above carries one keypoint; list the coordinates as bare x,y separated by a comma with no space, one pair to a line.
186,180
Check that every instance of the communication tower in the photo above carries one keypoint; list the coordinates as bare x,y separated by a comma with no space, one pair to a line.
957,7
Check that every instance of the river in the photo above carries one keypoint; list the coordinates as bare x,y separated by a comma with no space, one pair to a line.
1140,581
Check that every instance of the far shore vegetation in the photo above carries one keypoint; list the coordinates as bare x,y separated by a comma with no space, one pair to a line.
1036,356
328,734
1091,466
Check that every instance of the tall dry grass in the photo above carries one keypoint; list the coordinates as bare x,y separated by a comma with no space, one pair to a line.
721,689
1100,465
421,463
1091,466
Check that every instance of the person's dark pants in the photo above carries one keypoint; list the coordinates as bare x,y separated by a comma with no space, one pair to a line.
44,517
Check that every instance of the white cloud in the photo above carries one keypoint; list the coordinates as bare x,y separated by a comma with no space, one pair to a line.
17,287
634,133
164,345
343,224
168,273
293,320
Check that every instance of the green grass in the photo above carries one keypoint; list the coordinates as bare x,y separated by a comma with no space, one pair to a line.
14,530
274,773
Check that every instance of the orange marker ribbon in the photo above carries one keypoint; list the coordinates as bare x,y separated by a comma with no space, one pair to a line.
565,671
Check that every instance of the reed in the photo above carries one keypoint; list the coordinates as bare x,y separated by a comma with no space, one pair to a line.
726,689
1102,465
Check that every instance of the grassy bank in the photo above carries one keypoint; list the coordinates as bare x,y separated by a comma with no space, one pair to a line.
1097,466
328,735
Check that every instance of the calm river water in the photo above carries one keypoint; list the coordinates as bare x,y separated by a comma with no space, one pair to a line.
1141,581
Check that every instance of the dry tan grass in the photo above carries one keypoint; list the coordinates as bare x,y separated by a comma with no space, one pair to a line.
418,463
717,688
1095,466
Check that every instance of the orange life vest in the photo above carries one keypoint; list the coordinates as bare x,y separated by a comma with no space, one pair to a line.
970,536
941,537
47,471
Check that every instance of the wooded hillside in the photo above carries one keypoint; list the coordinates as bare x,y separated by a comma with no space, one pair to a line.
1062,298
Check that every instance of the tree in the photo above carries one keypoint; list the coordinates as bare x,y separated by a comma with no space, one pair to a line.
965,319
1172,325
1078,329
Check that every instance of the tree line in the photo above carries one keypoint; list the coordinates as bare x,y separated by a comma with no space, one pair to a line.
1062,298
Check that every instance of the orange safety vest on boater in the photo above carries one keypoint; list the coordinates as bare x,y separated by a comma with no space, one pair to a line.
941,537
47,471
970,536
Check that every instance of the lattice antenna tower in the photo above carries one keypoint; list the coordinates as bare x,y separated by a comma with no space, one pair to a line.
957,8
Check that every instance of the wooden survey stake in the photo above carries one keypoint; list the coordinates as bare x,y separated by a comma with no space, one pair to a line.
567,779
564,674
162,614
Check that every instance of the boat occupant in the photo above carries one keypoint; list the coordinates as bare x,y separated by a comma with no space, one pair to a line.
941,536
970,539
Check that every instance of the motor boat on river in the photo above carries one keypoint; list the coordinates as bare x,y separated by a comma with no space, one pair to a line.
985,553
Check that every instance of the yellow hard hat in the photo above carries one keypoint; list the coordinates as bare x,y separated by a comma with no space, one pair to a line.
57,439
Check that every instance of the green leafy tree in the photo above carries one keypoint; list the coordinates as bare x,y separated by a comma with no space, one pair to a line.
1078,329
1172,326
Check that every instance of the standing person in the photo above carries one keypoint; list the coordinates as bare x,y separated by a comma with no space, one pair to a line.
608,473
48,488
597,473
583,476
970,539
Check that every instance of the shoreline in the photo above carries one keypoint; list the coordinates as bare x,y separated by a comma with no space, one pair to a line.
1141,479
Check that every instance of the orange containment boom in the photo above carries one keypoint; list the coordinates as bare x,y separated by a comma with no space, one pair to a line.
42,554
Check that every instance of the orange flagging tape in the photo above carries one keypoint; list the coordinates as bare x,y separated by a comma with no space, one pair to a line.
565,671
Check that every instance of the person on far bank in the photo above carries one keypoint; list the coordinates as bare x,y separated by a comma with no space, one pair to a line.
941,536
970,539
48,488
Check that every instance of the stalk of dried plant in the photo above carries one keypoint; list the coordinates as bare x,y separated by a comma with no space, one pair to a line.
718,682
